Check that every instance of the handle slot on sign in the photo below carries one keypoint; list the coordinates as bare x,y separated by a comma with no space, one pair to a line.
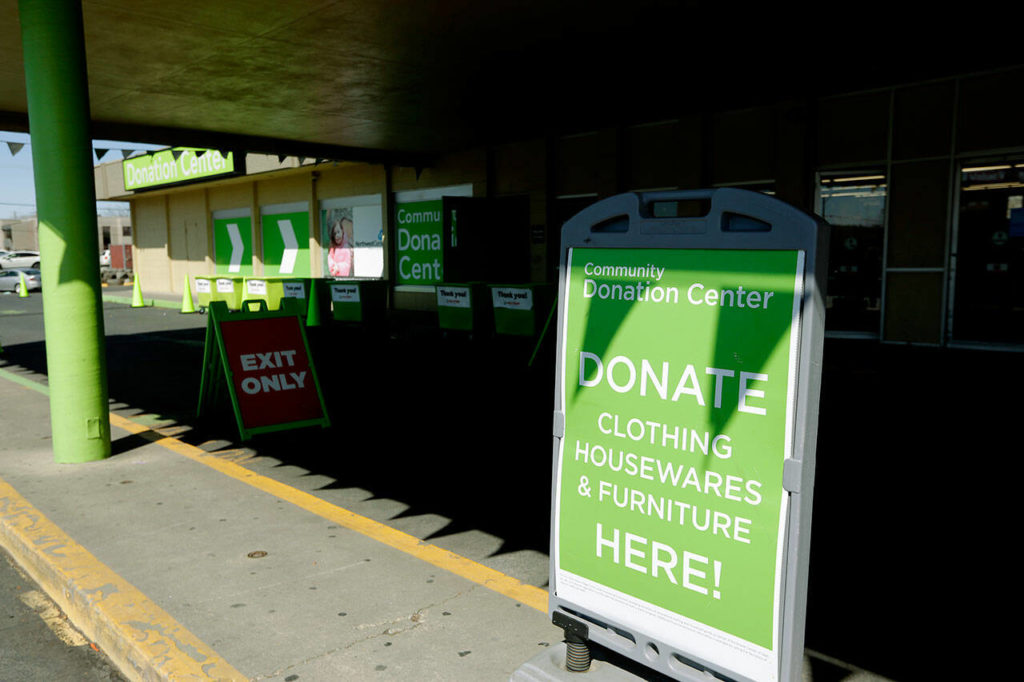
617,224
735,222
675,213
677,208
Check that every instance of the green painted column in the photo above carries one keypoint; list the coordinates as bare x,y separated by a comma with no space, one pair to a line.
53,46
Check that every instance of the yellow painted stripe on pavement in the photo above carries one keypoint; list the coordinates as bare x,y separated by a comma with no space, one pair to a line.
54,618
138,635
506,585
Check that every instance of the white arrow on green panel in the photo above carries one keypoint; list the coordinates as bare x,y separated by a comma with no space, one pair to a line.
232,242
291,246
286,244
237,248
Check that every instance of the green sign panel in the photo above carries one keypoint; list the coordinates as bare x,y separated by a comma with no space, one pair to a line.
232,246
678,394
286,244
175,166
420,247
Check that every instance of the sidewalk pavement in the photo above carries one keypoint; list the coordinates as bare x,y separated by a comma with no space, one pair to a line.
379,552
186,565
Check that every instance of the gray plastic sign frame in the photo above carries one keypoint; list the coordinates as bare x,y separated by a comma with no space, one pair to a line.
734,220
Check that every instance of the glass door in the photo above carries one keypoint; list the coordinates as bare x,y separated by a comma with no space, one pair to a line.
988,256
854,205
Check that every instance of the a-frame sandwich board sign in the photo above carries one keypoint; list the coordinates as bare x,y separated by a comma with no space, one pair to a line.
686,399
262,358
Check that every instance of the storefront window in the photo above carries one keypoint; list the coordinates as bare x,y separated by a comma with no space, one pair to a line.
352,235
762,186
988,304
854,206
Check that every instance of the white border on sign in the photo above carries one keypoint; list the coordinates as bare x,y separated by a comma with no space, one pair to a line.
228,213
410,195
278,209
352,202
704,641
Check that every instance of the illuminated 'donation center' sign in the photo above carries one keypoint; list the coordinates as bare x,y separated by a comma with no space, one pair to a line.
682,471
176,166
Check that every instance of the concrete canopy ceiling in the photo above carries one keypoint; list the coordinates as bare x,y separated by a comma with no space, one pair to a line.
394,79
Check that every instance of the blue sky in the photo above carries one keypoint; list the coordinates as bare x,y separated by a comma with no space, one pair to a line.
17,188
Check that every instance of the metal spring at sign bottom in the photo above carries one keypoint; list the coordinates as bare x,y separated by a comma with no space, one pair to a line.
577,657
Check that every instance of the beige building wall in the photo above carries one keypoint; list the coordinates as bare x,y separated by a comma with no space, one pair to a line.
188,238
229,197
19,235
455,169
151,255
350,180
109,180
116,228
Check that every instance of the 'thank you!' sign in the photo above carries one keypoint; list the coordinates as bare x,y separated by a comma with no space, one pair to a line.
687,391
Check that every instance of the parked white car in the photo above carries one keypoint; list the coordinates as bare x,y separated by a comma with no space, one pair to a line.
20,259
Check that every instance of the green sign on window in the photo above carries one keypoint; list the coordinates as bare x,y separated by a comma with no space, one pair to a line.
286,244
420,248
232,245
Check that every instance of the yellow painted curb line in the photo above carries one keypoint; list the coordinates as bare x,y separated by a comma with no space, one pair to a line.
497,581
143,640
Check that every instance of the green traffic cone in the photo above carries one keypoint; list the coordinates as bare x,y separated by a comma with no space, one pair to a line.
23,290
313,311
137,301
186,299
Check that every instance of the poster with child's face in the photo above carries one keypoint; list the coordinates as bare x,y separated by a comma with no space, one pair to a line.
353,239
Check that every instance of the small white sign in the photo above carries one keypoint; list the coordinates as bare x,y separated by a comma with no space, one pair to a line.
225,286
345,293
513,298
453,297
203,286
294,290
256,287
